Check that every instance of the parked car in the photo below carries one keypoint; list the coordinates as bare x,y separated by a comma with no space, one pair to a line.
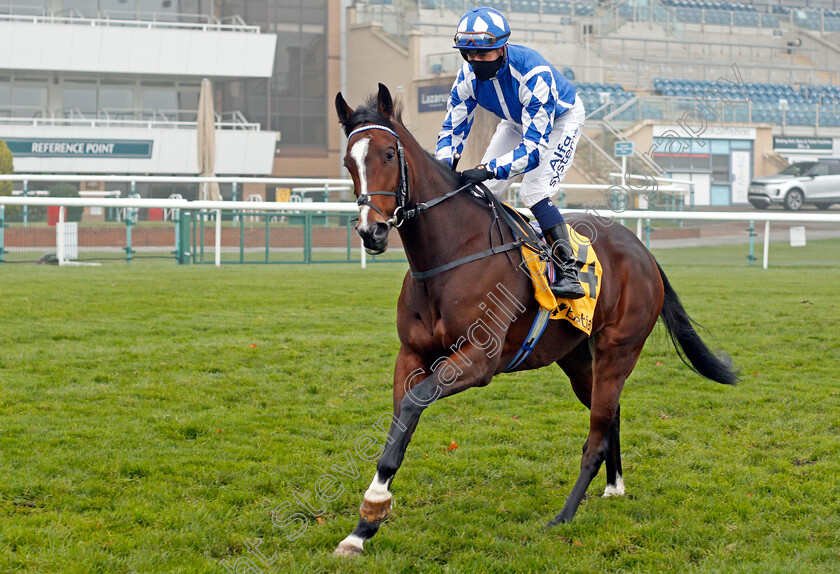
814,182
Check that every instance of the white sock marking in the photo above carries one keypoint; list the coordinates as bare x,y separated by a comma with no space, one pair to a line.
616,489
359,153
378,491
353,540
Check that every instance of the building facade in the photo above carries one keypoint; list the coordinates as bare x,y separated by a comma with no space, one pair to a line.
111,86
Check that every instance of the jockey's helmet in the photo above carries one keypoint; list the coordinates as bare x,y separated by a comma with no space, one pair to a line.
482,28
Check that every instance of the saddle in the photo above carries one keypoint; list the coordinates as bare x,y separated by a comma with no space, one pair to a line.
542,270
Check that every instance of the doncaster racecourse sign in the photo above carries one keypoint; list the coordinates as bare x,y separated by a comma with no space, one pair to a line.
83,148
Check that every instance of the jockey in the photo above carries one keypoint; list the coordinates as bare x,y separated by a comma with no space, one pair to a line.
541,122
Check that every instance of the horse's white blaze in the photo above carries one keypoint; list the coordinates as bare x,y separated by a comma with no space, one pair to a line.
353,540
616,489
378,491
359,153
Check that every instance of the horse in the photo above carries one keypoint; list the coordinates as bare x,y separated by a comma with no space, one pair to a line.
465,306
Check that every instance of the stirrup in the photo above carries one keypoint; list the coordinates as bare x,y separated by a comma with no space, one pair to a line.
566,290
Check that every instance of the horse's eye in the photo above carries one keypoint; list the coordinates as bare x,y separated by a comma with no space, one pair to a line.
389,156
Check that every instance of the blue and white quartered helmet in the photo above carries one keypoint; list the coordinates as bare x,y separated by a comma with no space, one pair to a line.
482,29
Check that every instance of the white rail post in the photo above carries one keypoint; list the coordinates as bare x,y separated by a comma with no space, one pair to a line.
218,237
639,229
59,236
364,255
766,242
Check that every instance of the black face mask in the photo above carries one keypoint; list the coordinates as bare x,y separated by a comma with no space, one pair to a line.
486,70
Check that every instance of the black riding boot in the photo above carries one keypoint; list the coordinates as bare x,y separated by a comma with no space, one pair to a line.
567,285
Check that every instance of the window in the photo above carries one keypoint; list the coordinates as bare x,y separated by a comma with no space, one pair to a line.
120,9
28,7
820,168
720,168
294,100
79,102
87,8
117,102
159,10
160,99
188,101
5,101
797,169
834,168
29,100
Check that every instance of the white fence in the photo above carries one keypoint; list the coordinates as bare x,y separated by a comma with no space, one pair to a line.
349,208
218,207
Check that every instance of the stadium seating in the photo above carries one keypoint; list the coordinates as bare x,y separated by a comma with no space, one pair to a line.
737,14
590,93
716,12
803,108
559,7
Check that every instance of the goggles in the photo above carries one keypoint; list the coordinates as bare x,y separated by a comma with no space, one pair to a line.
477,39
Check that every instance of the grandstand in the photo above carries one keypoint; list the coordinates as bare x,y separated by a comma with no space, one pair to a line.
768,72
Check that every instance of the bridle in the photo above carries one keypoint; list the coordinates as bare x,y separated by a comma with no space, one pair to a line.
403,193
404,212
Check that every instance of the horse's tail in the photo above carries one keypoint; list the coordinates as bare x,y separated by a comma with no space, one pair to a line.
688,344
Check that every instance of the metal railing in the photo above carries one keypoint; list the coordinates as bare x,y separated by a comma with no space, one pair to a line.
282,232
127,118
190,232
692,50
647,68
717,111
131,19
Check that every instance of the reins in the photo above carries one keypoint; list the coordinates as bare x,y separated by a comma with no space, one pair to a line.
521,237
403,213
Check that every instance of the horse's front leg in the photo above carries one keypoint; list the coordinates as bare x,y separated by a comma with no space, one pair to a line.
414,390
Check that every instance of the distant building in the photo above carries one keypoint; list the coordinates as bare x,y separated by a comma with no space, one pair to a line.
112,86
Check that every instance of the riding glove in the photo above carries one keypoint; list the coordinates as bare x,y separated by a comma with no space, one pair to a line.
476,175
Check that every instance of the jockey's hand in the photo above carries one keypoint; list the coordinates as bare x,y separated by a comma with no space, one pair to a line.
476,175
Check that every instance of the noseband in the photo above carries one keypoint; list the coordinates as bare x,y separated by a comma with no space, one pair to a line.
403,193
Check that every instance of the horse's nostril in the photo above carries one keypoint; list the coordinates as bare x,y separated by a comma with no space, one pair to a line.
380,231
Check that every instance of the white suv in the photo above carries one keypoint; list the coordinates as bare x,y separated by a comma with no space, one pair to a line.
816,182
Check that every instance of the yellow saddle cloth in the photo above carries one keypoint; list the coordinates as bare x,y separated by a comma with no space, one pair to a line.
578,312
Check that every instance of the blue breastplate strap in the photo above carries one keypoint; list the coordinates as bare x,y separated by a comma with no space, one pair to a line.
537,329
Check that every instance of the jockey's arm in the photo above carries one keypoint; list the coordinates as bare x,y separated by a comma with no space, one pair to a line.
460,113
538,114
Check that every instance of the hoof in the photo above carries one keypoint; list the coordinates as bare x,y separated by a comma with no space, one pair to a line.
345,549
559,520
616,489
375,511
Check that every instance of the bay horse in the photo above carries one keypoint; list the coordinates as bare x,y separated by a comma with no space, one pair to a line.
466,307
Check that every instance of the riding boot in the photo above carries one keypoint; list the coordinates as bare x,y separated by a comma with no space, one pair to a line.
566,285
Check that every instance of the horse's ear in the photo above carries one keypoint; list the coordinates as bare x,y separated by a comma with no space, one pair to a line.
342,108
384,102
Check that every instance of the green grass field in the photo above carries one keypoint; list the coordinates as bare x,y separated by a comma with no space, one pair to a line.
152,417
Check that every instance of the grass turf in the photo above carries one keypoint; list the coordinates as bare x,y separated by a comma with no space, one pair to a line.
154,416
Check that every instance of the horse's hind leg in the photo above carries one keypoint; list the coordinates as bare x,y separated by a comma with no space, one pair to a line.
578,367
615,480
612,365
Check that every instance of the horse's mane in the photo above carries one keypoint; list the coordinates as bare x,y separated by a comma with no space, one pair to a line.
368,113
